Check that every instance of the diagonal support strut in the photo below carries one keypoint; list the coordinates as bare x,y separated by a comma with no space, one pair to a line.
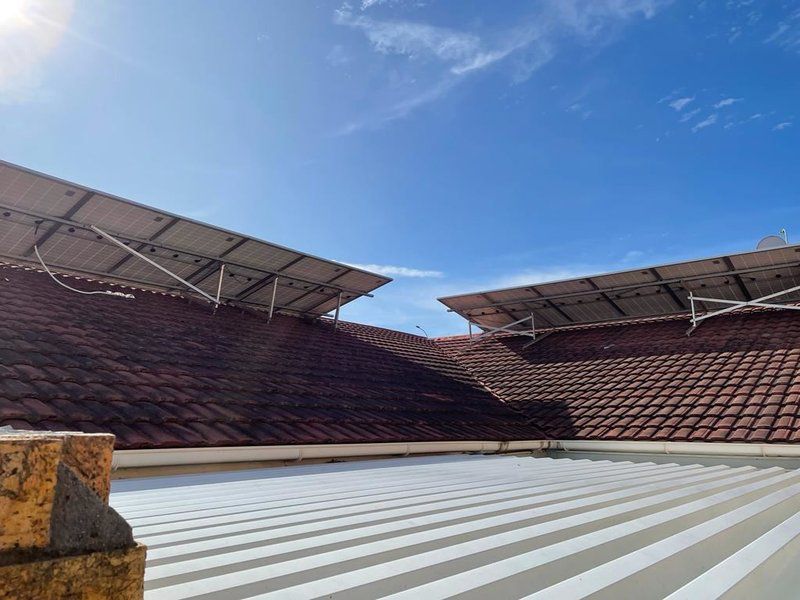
149,261
733,305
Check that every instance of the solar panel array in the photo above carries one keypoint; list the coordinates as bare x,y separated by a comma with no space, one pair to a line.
57,214
650,292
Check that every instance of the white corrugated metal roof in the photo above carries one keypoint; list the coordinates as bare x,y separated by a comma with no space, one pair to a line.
469,526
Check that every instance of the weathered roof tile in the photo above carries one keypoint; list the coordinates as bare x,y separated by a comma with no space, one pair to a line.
160,372
727,382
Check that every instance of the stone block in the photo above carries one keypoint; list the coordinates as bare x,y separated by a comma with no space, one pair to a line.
59,538
115,575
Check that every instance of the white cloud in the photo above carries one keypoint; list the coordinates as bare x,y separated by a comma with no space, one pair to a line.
669,96
534,276
680,103
727,102
687,116
366,4
462,52
395,271
707,122
787,33
399,109
415,40
408,302
632,256
782,126
782,28
443,57
580,109
337,56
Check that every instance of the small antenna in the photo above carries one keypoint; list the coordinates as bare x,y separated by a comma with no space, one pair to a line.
422,330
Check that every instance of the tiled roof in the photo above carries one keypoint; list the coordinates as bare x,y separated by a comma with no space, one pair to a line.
160,371
736,379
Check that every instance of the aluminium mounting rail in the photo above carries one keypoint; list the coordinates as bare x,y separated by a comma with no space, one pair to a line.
149,261
696,319
163,246
507,328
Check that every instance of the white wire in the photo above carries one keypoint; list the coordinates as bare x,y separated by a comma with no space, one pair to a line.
72,289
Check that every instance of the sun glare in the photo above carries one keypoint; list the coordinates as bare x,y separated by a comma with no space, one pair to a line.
13,12
29,31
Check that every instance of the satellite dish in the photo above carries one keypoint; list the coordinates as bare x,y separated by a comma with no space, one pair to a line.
771,241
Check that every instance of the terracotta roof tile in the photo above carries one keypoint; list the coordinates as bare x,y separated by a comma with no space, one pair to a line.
737,378
161,372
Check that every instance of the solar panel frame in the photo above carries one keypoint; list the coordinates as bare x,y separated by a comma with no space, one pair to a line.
660,290
191,249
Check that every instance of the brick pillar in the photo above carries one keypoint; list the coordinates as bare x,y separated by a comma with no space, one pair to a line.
58,536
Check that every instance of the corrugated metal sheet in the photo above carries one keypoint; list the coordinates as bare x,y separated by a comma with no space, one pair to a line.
470,527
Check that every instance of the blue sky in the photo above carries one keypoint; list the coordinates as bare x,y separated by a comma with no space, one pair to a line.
454,145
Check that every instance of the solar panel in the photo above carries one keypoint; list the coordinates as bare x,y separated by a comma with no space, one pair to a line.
638,293
60,216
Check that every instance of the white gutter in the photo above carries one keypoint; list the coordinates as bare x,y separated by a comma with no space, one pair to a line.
684,448
233,454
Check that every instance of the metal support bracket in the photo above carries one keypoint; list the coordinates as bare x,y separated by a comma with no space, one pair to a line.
507,328
537,339
336,314
219,284
733,305
272,298
149,261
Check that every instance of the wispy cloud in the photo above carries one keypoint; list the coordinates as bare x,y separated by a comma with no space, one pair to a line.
534,276
395,271
707,122
444,57
544,275
782,126
778,33
580,109
462,52
719,107
337,56
727,102
632,256
367,4
409,302
688,116
787,32
680,103
398,109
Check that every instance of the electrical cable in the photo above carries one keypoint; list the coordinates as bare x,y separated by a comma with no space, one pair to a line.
72,289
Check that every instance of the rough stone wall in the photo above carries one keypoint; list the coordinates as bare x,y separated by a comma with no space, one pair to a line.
58,536
28,474
114,575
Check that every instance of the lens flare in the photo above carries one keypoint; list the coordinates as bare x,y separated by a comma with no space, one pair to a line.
13,13
29,31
